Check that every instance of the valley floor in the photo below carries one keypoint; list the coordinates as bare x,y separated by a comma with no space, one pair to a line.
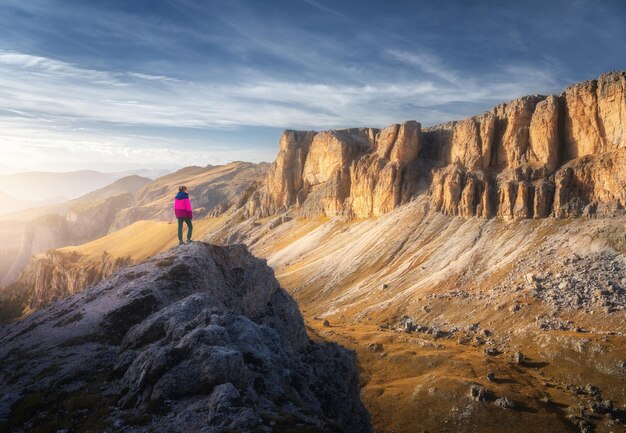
432,304
419,382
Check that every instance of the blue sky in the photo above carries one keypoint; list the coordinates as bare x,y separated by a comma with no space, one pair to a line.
114,85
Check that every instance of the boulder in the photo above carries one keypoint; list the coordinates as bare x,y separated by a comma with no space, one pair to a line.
505,403
478,392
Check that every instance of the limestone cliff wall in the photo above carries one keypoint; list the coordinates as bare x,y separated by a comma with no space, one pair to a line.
351,172
55,275
536,156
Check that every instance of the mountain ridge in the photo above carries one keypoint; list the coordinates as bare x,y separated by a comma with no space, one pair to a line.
532,157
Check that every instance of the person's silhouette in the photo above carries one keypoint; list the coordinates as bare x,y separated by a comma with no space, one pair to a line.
183,212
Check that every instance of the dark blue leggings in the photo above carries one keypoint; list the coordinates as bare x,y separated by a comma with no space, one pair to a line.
180,228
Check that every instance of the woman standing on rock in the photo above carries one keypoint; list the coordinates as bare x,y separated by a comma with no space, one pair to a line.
182,209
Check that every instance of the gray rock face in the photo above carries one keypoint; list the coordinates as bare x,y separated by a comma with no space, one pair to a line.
199,338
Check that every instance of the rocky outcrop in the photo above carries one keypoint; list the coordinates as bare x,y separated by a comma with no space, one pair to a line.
591,185
533,157
285,175
52,276
82,222
537,156
595,116
352,172
543,140
199,338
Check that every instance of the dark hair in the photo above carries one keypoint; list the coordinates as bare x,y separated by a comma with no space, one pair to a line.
182,188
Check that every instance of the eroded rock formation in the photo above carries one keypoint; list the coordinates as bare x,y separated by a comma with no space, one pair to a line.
351,172
534,157
52,276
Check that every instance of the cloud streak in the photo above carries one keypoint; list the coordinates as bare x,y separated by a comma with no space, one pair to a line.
50,89
49,107
174,80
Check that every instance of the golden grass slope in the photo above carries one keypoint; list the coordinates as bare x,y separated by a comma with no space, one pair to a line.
140,240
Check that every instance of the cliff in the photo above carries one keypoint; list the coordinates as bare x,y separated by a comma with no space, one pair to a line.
199,340
52,276
80,223
355,172
536,156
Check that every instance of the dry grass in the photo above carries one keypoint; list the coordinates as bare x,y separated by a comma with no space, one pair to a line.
141,240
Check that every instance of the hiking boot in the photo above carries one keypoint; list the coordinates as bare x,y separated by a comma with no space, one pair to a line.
180,243
189,241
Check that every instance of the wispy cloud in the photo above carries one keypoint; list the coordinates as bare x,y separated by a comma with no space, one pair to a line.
169,80
428,63
50,89
48,104
317,5
57,146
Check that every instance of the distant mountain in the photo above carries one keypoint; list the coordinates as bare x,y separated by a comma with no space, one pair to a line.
131,184
144,172
128,184
41,186
10,204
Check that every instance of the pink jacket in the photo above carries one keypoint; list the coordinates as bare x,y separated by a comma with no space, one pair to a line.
182,206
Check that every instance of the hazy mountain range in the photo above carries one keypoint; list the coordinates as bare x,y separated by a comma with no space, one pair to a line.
29,189
107,209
